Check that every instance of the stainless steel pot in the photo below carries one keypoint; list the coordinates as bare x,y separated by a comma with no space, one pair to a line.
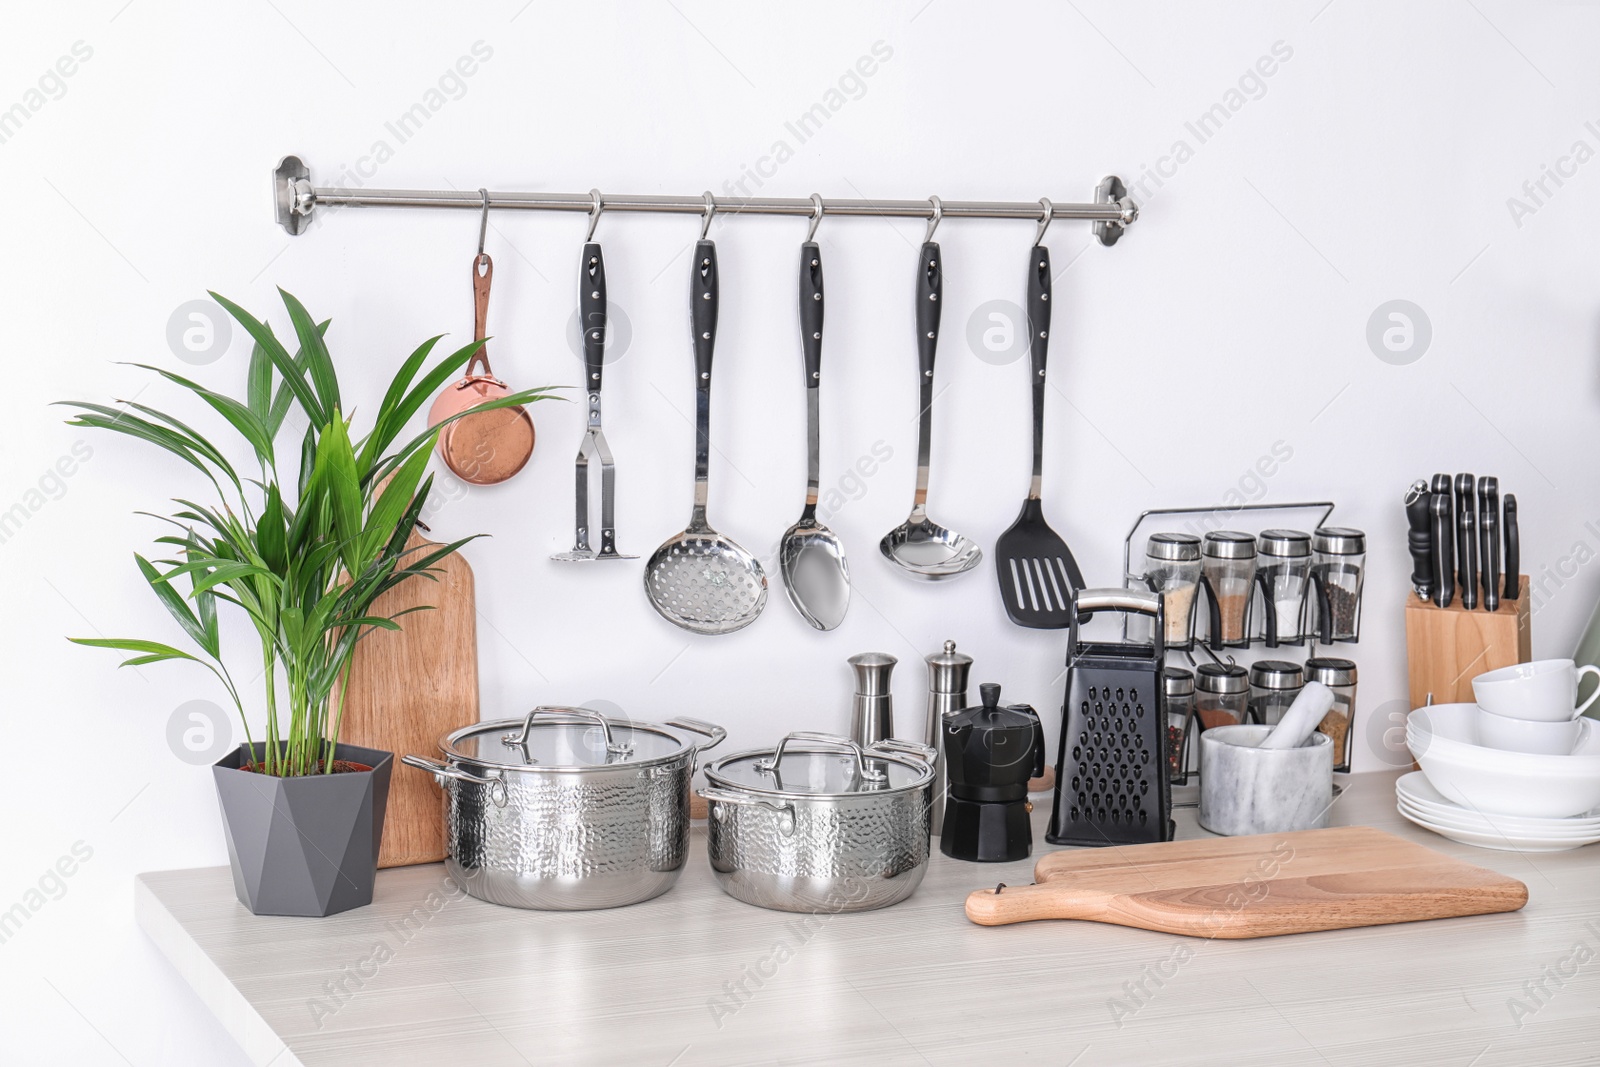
567,809
820,824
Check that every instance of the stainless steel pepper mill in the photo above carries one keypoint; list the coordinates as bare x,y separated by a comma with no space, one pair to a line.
947,694
872,708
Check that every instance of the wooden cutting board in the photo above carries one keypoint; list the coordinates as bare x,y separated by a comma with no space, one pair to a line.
408,687
1257,886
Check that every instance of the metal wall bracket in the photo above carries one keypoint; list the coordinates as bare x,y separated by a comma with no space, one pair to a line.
1112,191
292,198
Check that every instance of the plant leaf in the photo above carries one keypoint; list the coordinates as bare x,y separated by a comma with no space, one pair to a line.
318,362
151,651
336,464
293,377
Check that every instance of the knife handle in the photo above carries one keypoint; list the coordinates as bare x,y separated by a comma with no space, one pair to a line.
1444,570
1489,538
1467,539
1513,549
1419,538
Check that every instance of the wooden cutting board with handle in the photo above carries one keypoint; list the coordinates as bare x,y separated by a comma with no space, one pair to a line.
1257,886
411,686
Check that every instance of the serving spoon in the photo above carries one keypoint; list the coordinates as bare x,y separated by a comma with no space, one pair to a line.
810,556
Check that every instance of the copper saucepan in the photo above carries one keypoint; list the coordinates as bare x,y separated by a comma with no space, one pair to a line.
488,447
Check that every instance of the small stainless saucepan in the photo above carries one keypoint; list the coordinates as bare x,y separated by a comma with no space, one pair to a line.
820,824
567,809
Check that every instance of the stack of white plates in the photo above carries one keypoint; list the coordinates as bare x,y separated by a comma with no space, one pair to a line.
1424,805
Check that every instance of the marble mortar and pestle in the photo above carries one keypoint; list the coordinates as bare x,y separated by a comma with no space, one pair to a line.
1269,779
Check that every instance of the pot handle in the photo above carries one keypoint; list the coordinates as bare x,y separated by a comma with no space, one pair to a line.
745,800
556,711
868,773
716,733
442,771
908,748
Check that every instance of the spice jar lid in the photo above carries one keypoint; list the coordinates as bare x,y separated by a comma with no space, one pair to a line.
1291,543
1276,674
1177,682
1230,544
1331,670
1222,678
1339,541
1173,547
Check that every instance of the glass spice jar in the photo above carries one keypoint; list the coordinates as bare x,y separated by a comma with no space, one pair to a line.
1338,566
1340,676
1228,570
1283,571
1172,568
1177,686
1221,694
1274,683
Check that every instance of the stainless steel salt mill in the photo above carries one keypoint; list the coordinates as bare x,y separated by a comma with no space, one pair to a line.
872,708
947,693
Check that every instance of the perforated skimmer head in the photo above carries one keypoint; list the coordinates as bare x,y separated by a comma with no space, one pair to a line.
705,583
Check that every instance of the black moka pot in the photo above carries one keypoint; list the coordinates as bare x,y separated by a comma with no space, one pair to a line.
990,752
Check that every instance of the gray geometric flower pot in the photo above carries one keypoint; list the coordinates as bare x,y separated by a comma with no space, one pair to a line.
305,845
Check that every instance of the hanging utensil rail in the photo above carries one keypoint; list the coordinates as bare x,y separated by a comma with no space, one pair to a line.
295,198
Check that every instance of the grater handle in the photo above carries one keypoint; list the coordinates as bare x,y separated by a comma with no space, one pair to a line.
1114,598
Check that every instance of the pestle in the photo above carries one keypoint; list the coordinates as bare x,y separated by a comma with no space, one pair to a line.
1303,716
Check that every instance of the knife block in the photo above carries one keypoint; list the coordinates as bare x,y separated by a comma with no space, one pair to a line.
1448,647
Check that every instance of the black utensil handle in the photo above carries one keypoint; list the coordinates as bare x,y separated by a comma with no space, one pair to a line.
1419,537
1489,539
1269,610
1038,324
930,286
1467,540
703,309
1444,569
811,311
1513,538
592,315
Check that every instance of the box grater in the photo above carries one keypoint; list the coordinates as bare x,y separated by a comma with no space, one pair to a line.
1111,781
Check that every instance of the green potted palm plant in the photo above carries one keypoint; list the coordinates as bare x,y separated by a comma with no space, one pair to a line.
303,554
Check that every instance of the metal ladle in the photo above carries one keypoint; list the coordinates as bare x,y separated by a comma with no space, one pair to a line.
919,546
810,556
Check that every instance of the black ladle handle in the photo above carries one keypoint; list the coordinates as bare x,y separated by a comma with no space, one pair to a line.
930,286
703,318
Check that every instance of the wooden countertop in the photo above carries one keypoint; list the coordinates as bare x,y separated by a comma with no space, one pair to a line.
428,976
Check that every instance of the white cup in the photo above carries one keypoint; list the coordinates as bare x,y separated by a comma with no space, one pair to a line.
1527,735
1545,690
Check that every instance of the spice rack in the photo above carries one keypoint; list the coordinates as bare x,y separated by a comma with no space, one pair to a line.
1233,625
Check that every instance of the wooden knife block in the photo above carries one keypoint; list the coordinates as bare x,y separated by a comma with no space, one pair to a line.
1448,647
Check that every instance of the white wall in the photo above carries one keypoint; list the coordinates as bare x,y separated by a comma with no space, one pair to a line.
1375,163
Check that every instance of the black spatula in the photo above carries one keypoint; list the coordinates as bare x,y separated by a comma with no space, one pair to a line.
1037,573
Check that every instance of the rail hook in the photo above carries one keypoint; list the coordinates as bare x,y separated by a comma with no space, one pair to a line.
816,217
711,209
594,214
483,223
933,219
1044,220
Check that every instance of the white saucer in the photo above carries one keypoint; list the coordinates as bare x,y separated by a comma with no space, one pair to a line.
1500,842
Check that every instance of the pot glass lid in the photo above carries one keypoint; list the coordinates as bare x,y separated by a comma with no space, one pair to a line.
817,767
563,738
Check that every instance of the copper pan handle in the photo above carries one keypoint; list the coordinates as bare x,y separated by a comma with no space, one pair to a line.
482,277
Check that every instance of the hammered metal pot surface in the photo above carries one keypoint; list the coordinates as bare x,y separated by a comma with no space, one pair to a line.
601,838
822,854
